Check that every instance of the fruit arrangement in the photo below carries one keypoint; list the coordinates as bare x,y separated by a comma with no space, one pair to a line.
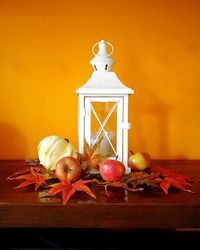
53,148
62,170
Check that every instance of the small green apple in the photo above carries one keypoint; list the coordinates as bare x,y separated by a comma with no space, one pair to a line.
139,161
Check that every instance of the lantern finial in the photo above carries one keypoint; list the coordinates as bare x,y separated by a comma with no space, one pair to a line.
102,61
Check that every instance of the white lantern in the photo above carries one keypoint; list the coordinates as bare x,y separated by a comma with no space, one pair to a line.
103,108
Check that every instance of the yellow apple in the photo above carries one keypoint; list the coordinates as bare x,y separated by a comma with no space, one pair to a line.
139,161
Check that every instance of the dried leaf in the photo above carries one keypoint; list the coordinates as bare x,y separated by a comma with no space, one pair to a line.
138,178
156,177
91,159
68,189
118,184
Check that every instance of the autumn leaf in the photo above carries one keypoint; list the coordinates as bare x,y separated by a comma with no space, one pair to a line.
154,177
119,184
33,175
165,186
176,182
91,159
170,178
138,178
38,169
169,172
68,189
135,181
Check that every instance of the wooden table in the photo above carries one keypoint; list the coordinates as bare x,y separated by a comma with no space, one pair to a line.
147,209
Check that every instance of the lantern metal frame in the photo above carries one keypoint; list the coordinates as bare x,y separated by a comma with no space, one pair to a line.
103,87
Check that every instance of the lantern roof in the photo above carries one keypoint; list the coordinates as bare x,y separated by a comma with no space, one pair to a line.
104,83
103,80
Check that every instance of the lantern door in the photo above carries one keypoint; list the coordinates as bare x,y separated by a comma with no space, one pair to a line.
103,120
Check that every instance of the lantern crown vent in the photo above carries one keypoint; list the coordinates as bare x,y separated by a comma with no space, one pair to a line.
102,61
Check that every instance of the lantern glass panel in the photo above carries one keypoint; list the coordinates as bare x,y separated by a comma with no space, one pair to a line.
104,126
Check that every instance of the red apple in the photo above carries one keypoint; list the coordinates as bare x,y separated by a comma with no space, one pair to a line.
68,169
111,170
139,161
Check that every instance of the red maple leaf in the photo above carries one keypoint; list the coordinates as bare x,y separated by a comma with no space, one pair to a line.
39,169
33,175
68,189
170,178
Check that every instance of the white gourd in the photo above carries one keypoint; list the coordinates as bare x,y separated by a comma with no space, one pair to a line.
52,148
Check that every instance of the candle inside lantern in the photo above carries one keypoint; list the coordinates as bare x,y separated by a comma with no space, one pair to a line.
103,127
105,147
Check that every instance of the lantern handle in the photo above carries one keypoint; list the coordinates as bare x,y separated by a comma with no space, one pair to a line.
112,49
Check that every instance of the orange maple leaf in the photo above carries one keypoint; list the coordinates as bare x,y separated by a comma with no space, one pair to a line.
33,175
68,189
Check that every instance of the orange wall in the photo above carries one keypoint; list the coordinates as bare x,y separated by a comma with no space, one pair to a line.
45,49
